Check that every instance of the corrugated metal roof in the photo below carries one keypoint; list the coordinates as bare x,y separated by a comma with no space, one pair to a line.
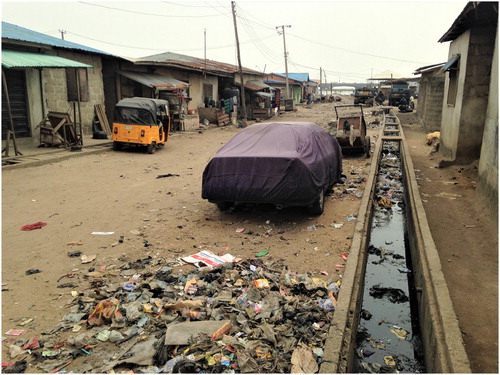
451,62
17,59
256,85
155,80
275,81
475,13
193,63
14,32
428,68
299,77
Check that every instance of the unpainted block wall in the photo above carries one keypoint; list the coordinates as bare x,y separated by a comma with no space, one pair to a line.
56,95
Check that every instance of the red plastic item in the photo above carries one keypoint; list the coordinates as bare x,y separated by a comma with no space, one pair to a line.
33,226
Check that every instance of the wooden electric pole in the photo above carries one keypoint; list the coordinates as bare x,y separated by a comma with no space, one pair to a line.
243,105
320,82
286,57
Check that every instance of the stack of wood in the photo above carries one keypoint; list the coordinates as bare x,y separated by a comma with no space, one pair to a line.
56,129
100,122
223,118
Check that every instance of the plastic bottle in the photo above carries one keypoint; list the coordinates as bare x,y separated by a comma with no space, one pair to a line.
334,287
327,304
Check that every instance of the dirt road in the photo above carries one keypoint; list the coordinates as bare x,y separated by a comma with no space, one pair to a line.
166,218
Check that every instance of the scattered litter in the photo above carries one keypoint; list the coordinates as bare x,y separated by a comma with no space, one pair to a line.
261,283
208,258
337,226
32,271
404,270
262,253
240,230
393,294
448,195
303,361
34,226
312,228
15,332
167,175
344,256
33,343
88,258
23,323
389,361
75,243
384,202
351,218
181,333
400,333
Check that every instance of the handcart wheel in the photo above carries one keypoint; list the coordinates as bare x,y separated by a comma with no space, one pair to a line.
367,146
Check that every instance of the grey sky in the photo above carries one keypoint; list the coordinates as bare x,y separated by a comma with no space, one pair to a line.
349,40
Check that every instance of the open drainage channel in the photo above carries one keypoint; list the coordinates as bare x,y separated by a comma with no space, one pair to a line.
388,335
394,312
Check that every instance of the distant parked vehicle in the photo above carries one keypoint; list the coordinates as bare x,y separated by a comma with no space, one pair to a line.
364,96
281,163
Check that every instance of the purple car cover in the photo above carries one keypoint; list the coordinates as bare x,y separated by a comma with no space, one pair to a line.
279,162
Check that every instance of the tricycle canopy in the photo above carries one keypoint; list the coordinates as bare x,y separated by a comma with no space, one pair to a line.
140,111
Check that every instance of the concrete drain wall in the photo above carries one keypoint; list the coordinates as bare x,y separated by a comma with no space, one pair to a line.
443,346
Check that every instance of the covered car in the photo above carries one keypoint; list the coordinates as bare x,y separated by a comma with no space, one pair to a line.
282,163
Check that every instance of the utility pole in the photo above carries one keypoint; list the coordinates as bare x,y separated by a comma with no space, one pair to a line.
320,82
286,62
62,33
205,51
243,105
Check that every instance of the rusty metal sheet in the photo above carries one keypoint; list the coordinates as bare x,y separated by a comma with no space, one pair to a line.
155,80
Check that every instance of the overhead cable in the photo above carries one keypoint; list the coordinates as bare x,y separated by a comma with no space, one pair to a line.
151,14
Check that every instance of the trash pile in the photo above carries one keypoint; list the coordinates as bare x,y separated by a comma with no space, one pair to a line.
353,183
225,315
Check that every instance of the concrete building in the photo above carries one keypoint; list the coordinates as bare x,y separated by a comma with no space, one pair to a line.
299,84
43,74
430,96
469,126
206,78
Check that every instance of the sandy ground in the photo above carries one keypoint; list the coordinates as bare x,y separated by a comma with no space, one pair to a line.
119,192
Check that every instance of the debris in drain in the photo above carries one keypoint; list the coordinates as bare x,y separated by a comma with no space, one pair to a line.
386,310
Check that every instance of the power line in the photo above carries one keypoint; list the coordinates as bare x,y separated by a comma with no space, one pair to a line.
159,49
149,14
356,52
259,44
183,4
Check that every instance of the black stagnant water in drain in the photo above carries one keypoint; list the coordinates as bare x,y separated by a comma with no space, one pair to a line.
388,336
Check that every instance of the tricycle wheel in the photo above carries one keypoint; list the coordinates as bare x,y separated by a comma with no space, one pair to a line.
117,146
319,205
152,148
367,146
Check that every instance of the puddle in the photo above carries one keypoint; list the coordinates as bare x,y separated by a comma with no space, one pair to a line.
388,337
